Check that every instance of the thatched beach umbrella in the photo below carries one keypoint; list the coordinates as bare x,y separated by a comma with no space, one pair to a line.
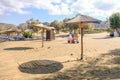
81,20
43,27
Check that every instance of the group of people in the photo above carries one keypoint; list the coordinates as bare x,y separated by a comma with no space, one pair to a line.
73,38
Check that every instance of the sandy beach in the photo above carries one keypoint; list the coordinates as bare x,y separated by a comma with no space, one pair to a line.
58,60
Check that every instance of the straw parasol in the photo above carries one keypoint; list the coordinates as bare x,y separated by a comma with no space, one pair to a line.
81,20
43,27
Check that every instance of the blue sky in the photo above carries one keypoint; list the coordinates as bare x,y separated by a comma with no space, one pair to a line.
19,11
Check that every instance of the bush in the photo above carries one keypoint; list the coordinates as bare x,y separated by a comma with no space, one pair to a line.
111,35
87,31
27,34
76,31
66,31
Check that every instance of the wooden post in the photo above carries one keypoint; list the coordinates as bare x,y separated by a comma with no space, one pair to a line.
43,37
81,27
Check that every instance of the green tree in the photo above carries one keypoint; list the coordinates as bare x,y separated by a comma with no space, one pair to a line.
31,22
27,34
67,26
115,22
23,26
57,25
70,27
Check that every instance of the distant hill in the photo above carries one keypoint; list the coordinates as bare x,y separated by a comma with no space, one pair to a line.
5,26
46,23
103,24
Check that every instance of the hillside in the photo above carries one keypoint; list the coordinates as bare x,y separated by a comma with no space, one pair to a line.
5,26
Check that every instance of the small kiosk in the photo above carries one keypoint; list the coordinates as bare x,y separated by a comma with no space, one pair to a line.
50,34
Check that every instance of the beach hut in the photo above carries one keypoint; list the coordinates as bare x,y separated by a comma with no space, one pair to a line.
44,27
10,32
81,20
50,34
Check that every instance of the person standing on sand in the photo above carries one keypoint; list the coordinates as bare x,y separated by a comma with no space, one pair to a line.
70,38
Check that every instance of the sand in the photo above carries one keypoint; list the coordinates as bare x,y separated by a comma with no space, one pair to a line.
58,60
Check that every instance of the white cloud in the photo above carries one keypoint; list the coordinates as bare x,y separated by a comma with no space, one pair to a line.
103,5
68,1
12,6
65,9
98,8
55,7
81,5
62,7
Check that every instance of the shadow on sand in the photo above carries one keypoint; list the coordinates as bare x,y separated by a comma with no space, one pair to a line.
115,56
40,67
18,48
115,52
92,70
116,60
107,37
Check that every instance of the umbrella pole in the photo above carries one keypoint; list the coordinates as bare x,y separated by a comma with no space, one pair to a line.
81,43
43,38
81,27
